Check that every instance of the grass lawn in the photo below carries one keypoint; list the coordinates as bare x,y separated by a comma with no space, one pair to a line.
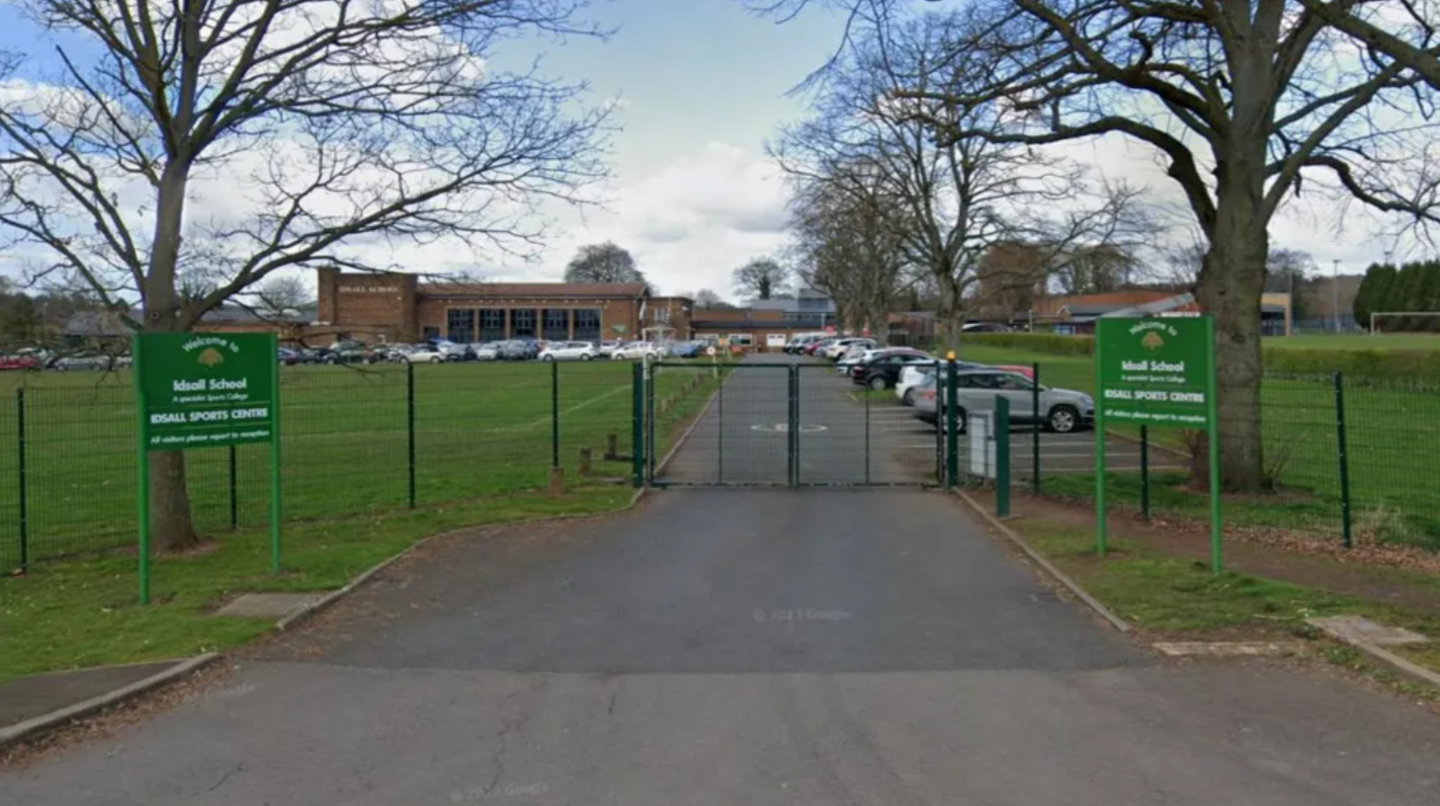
480,430
1353,341
1393,445
74,613
1170,598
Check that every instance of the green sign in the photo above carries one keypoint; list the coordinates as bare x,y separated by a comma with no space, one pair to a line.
203,390
1155,371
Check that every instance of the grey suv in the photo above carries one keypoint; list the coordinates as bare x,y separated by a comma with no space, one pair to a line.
1061,410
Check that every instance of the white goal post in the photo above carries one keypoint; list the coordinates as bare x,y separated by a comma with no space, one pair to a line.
1374,317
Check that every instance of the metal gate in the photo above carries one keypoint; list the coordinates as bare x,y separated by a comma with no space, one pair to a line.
779,424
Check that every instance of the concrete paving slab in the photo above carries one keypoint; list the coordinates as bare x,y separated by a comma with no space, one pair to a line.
268,605
1228,649
1357,629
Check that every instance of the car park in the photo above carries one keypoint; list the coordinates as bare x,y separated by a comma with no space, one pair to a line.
454,352
348,352
568,351
489,351
817,347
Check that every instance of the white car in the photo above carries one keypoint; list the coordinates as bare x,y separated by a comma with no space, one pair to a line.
636,350
486,352
427,355
839,348
568,351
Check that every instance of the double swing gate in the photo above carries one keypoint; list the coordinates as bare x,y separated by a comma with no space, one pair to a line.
780,424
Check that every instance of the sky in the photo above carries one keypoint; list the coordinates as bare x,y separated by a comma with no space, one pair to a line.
699,86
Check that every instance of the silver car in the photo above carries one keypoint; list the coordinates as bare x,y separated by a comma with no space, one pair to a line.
1060,410
84,361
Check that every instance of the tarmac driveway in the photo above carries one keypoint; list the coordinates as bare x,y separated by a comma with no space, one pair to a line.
745,647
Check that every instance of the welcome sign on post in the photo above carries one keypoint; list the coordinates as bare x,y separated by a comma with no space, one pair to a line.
203,390
1157,372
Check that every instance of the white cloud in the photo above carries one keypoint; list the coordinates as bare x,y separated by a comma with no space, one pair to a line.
689,223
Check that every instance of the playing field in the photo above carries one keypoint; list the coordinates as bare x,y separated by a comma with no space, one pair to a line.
1392,441
1353,341
478,429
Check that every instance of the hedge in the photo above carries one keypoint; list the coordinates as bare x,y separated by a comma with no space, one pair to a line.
1391,364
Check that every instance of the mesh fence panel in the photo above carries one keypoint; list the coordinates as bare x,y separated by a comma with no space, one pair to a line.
1393,441
10,550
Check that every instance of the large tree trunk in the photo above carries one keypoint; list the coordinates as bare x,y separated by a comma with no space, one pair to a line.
171,526
949,318
1229,288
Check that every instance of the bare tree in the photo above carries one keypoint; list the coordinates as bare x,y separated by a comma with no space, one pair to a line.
282,296
1245,102
327,126
603,263
846,239
1406,32
959,198
761,278
705,298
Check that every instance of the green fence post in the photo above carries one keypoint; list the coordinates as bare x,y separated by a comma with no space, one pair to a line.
1002,456
794,425
720,429
866,393
410,428
23,481
554,413
648,373
234,495
1145,472
637,425
1035,430
951,424
1344,458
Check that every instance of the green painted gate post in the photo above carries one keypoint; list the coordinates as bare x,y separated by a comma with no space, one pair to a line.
1035,429
794,425
234,493
23,480
554,414
1145,472
1344,458
1002,456
637,427
950,410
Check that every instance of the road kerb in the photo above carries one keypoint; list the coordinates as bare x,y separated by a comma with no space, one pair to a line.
61,716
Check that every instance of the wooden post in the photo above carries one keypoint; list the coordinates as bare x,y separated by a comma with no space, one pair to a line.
584,461
557,482
612,447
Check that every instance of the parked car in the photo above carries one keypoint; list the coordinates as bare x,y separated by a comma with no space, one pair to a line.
516,350
637,350
984,327
453,351
818,347
913,375
857,357
18,363
797,345
838,348
425,355
488,351
84,361
685,349
348,352
883,371
568,351
287,356
1061,410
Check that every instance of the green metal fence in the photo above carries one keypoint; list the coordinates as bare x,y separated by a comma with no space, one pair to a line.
354,441
1344,459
